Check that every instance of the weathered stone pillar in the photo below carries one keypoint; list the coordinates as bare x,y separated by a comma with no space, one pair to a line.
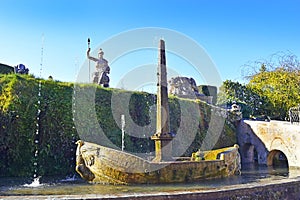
162,137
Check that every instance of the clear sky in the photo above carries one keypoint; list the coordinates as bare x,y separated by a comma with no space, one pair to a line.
232,32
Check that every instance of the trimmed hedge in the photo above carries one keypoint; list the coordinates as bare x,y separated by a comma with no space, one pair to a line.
20,125
5,69
45,141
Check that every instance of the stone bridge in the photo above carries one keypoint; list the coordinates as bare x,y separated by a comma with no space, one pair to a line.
269,143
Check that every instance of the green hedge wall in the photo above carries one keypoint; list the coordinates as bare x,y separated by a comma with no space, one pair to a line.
70,112
5,69
19,118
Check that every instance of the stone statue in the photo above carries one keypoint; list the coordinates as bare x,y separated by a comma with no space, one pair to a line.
80,164
235,107
236,112
21,69
183,87
100,76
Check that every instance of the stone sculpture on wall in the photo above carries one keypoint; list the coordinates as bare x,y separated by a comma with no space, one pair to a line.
21,69
100,76
187,88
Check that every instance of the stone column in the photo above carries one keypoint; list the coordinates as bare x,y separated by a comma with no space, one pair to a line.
162,137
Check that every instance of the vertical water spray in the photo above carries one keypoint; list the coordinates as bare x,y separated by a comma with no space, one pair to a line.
123,131
72,177
37,132
36,138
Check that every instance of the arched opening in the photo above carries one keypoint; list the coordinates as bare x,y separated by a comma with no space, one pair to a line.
255,156
249,153
277,159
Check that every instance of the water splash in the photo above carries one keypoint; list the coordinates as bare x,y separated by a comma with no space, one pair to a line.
35,183
69,178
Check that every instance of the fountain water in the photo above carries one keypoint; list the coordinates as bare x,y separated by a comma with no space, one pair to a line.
123,131
72,177
36,178
255,176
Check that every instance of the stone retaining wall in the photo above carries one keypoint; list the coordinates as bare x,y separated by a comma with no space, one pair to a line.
274,190
282,189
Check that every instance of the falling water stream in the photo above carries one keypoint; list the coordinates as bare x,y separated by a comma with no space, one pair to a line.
123,131
36,177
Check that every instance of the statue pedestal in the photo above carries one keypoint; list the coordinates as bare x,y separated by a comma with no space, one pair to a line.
163,147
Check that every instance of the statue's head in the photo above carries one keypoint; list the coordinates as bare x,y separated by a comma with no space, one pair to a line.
100,53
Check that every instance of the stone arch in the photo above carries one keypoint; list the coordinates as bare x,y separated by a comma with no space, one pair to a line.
278,152
277,158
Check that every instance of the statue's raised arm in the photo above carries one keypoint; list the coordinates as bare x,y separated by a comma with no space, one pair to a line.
90,57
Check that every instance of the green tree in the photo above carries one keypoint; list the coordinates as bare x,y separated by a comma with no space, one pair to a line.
263,68
281,88
277,81
251,103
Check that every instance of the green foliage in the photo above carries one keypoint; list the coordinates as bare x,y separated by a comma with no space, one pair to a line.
271,90
251,102
89,112
280,87
19,108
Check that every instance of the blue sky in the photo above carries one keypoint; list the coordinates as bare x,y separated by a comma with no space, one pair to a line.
231,32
